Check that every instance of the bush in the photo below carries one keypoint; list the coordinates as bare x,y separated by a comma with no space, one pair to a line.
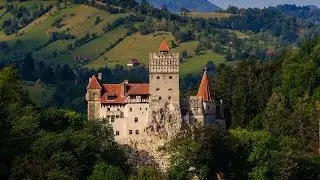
98,20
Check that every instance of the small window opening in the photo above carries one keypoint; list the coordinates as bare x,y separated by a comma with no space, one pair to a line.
137,132
159,98
130,132
158,77
169,97
157,89
170,77
136,119
130,109
117,133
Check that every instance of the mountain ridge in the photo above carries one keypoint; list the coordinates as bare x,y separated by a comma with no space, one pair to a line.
262,3
192,5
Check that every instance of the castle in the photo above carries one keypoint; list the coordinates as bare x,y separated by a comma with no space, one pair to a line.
136,110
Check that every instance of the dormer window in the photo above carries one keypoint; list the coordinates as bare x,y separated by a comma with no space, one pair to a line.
111,97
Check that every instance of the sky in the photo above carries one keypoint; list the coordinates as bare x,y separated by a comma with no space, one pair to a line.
262,3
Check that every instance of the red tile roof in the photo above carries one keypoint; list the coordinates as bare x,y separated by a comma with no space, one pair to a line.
164,46
133,61
94,84
115,90
137,89
204,89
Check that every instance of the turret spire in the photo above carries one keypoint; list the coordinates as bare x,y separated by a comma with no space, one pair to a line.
204,88
164,46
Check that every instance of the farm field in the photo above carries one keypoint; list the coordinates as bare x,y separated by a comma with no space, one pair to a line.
138,46
92,49
195,64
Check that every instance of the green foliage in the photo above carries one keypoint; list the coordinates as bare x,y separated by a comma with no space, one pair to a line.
239,154
103,171
198,151
52,143
98,20
149,173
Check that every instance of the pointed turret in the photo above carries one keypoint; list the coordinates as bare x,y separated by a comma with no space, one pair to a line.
93,83
164,46
204,89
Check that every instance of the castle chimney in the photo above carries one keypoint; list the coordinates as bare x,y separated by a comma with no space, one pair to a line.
124,88
100,76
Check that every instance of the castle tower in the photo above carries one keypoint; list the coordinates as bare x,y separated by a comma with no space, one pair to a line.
164,100
164,75
93,97
208,103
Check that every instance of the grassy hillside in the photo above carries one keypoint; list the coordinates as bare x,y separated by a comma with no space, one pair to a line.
139,46
106,49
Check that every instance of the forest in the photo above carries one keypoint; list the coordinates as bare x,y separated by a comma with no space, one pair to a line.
272,98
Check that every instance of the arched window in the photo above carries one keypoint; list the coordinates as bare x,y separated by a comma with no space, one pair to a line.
170,77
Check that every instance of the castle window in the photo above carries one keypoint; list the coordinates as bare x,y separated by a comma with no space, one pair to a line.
112,118
170,77
118,109
146,109
170,89
137,132
136,119
104,120
117,116
117,133
157,89
130,132
169,97
158,77
108,116
94,93
159,98
130,109
140,109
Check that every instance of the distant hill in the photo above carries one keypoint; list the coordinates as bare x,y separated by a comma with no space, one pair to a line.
193,5
262,3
